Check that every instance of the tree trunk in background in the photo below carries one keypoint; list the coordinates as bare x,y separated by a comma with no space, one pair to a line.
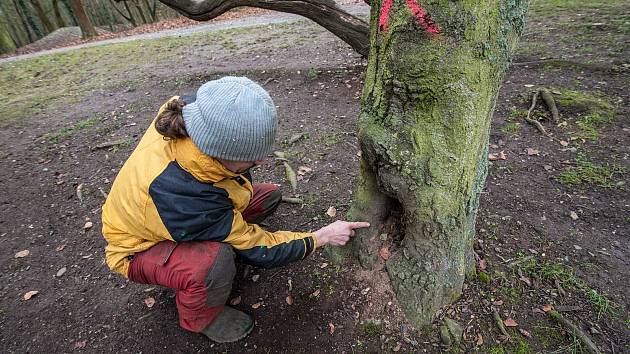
7,44
87,29
326,13
140,10
27,15
433,75
68,6
58,16
27,29
152,10
48,26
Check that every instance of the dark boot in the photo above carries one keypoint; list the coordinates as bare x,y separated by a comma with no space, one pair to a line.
229,326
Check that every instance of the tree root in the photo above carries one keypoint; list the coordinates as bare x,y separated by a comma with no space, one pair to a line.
532,121
551,104
583,337
499,322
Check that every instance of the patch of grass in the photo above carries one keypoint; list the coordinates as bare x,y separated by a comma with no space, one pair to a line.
519,347
511,128
587,172
484,277
372,329
67,132
330,138
590,111
312,74
548,271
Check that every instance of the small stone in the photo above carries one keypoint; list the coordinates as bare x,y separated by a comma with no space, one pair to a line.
445,335
573,215
61,272
577,247
255,277
451,332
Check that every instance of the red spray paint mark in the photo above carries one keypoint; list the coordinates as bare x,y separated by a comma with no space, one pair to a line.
383,21
424,20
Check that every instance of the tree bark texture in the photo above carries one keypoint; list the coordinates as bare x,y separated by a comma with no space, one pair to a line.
87,28
41,14
432,81
326,13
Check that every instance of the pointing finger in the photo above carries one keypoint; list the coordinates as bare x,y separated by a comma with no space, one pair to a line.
359,224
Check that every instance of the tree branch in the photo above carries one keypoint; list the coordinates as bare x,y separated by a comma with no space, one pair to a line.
326,13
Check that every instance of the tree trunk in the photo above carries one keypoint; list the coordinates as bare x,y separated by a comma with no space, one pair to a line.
431,85
7,44
140,10
87,29
73,18
58,16
48,26
326,13
27,16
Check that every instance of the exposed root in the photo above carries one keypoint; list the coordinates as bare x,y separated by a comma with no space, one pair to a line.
551,104
532,121
578,333
499,322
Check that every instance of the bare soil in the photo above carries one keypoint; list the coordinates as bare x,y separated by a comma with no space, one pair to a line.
525,224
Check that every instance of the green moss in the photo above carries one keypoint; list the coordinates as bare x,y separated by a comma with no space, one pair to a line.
549,337
484,277
586,172
67,132
589,111
519,347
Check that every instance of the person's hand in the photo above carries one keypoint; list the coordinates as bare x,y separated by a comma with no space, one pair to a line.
338,233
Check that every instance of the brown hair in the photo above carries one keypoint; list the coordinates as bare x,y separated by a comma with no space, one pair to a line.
170,122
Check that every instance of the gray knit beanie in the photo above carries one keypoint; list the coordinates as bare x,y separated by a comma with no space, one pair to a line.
233,118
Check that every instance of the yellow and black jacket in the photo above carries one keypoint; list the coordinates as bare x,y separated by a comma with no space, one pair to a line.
170,190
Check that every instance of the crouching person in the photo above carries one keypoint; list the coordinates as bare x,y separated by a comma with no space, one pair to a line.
183,205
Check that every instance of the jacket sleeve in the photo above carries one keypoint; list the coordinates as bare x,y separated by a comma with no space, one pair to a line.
268,249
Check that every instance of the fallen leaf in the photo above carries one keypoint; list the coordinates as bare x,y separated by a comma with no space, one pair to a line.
397,347
479,340
149,302
384,253
537,310
289,300
332,328
323,265
497,156
80,344
255,277
235,301
525,333
494,146
564,143
531,151
332,212
482,264
315,293
22,254
256,305
60,248
498,302
88,225
61,272
302,170
510,323
573,215
30,294
547,308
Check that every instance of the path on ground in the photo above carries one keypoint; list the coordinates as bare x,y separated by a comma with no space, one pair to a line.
273,17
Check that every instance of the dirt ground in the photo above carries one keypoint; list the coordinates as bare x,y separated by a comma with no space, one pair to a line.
553,225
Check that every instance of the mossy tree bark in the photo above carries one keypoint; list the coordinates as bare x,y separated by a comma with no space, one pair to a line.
433,75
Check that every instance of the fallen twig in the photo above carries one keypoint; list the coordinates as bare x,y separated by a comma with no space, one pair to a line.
292,200
583,337
532,121
519,261
109,144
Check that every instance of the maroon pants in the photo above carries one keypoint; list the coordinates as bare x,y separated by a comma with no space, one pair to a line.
200,272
